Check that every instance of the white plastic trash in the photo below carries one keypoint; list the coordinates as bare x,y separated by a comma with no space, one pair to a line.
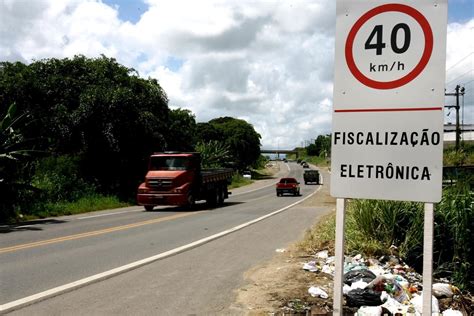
324,254
358,285
327,269
393,305
310,266
317,292
442,290
346,289
452,312
417,302
369,311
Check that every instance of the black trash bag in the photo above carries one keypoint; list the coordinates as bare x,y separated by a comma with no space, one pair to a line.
356,275
363,297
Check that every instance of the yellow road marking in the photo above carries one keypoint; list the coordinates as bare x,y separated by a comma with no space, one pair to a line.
93,233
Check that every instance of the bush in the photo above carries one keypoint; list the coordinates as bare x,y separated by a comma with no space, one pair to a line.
59,179
84,204
381,224
454,227
238,180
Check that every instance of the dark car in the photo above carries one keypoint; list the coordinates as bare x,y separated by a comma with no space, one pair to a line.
311,176
288,185
305,165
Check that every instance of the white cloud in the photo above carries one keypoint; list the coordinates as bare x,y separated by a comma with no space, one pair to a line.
269,62
460,68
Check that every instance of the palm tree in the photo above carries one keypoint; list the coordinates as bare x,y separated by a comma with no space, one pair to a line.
14,152
214,154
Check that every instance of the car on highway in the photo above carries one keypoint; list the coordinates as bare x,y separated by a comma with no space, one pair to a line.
311,176
305,164
247,175
288,185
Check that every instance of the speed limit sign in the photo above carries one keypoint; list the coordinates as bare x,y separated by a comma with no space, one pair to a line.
391,49
387,122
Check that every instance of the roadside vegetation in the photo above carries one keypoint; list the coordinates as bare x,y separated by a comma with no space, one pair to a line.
373,227
76,134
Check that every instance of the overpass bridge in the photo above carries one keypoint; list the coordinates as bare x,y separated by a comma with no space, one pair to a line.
279,151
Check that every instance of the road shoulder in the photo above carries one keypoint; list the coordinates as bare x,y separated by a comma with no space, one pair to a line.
277,282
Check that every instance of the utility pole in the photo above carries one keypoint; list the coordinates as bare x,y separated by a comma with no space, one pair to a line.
458,91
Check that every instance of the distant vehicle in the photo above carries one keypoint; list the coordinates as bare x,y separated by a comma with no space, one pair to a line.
247,175
176,178
288,185
305,165
302,162
311,176
285,160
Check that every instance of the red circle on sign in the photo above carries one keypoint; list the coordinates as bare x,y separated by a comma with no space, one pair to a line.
425,57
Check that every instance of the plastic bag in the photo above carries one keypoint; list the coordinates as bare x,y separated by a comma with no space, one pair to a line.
363,297
369,311
316,291
442,290
324,254
452,312
397,291
358,285
311,266
356,275
417,302
392,305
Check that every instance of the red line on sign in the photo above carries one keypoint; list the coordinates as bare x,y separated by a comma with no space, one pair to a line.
389,110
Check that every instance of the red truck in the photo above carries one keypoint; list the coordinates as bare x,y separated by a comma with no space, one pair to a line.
176,178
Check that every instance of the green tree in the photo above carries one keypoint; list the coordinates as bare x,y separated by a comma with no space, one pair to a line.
321,146
182,130
241,138
93,108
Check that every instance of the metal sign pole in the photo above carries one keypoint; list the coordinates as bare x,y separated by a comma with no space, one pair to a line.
428,258
339,256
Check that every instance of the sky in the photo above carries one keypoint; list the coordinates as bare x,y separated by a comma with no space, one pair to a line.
270,63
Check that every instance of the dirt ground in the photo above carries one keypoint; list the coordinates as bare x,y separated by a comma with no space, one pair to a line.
282,282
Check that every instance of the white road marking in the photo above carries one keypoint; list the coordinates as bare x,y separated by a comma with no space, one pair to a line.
10,306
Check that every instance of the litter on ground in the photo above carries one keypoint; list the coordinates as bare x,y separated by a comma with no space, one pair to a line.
387,286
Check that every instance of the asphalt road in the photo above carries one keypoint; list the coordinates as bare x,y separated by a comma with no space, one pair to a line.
200,280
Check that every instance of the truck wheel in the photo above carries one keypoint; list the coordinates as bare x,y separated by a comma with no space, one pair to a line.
220,196
190,200
149,208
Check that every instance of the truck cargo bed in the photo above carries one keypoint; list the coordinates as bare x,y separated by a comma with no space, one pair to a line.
216,175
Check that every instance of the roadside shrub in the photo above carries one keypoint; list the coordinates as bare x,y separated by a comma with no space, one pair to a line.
238,180
375,225
59,179
454,228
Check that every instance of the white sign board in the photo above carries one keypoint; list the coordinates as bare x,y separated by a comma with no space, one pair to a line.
387,137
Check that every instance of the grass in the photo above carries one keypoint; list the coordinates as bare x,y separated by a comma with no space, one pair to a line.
239,181
318,161
83,205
